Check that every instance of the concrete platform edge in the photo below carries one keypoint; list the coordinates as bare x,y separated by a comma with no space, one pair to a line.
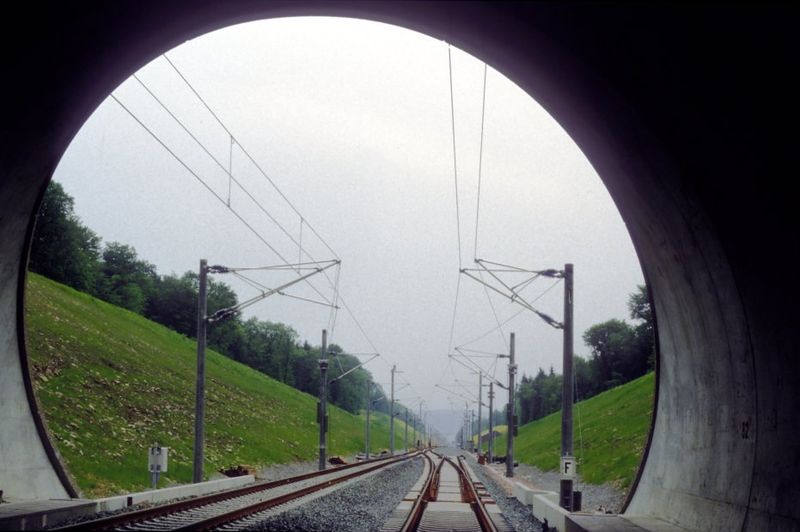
175,492
35,515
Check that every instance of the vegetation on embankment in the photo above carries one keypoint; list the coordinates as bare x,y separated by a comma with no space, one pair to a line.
110,383
63,249
500,429
610,432
379,432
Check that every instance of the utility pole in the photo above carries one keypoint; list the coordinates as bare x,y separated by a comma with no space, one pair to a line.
200,387
480,401
322,411
472,430
464,423
491,425
391,415
466,426
512,370
470,424
405,437
567,394
366,426
420,420
426,435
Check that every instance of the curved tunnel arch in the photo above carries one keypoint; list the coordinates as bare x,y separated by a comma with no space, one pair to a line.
664,102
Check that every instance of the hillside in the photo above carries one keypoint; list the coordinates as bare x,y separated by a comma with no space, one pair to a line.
610,431
110,383
500,429
379,434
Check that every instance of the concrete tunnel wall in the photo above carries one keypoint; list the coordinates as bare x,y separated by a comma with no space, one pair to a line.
678,108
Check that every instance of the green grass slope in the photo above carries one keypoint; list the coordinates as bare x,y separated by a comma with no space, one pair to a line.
379,432
110,383
610,431
500,429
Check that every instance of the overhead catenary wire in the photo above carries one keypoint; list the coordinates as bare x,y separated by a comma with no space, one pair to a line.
477,210
302,251
515,297
453,321
494,313
354,368
230,169
277,189
335,307
227,203
231,178
499,326
196,176
519,287
236,309
259,286
455,158
444,372
476,367
247,154
494,367
300,243
511,318
470,399
294,267
480,162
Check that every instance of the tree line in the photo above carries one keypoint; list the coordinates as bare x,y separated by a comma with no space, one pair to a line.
66,251
618,352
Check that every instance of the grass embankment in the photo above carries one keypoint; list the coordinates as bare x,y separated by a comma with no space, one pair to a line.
110,383
500,429
379,432
610,431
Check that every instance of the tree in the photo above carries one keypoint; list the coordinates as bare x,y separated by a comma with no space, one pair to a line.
62,248
551,393
641,311
612,345
125,280
347,393
225,335
639,306
525,394
66,251
269,347
585,379
306,369
539,396
173,303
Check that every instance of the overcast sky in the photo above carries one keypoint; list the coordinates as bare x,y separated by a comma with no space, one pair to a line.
352,121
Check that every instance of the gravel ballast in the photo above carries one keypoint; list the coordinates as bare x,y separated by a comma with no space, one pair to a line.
292,469
361,506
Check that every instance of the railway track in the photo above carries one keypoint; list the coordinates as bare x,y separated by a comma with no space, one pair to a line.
238,508
448,497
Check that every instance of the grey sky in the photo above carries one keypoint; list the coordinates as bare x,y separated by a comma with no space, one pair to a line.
351,119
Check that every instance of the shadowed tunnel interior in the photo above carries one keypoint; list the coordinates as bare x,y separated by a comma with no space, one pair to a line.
687,114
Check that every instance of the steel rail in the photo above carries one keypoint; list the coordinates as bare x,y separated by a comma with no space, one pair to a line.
244,511
418,507
145,514
469,495
474,500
